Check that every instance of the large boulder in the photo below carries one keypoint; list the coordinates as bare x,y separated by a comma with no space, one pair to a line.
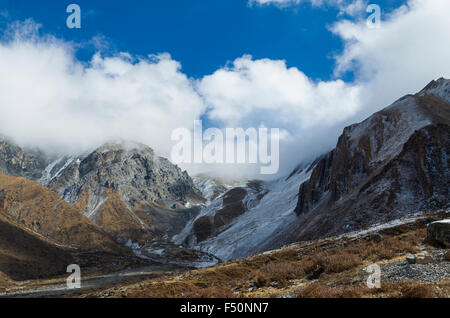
439,232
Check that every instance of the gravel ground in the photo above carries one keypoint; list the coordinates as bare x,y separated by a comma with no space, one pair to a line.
402,270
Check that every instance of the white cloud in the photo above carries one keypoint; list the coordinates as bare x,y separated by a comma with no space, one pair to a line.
276,2
251,92
349,7
49,99
410,49
353,8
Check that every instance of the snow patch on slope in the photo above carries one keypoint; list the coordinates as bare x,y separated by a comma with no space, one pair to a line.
248,232
399,121
440,88
211,188
208,210
60,164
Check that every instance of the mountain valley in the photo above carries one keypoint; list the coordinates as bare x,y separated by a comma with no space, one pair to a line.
122,206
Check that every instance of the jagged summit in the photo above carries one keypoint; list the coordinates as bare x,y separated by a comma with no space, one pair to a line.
395,163
116,185
17,162
391,165
124,145
131,168
440,87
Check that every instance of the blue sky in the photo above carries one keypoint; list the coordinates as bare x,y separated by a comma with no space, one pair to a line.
307,70
201,34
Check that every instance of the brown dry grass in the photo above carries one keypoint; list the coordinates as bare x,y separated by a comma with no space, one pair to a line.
319,291
26,255
40,234
115,217
324,268
31,205
404,289
286,266
211,292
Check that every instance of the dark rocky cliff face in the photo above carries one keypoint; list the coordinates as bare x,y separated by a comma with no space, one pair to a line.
393,164
232,207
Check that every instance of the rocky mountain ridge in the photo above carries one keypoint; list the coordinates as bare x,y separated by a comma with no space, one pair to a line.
17,162
123,187
393,164
133,170
120,186
121,199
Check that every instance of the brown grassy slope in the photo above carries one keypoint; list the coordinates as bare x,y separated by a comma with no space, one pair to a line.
139,220
28,204
117,218
25,255
323,268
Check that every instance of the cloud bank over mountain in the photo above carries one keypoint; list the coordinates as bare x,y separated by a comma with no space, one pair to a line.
407,51
50,99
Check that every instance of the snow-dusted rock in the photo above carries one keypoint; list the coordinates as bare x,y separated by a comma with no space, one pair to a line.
269,211
393,164
18,162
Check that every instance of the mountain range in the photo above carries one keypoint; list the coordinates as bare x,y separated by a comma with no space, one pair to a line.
123,204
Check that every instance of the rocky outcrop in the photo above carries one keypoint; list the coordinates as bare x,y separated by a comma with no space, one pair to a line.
210,188
447,256
122,187
17,162
393,164
131,169
439,233
232,206
203,228
422,258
